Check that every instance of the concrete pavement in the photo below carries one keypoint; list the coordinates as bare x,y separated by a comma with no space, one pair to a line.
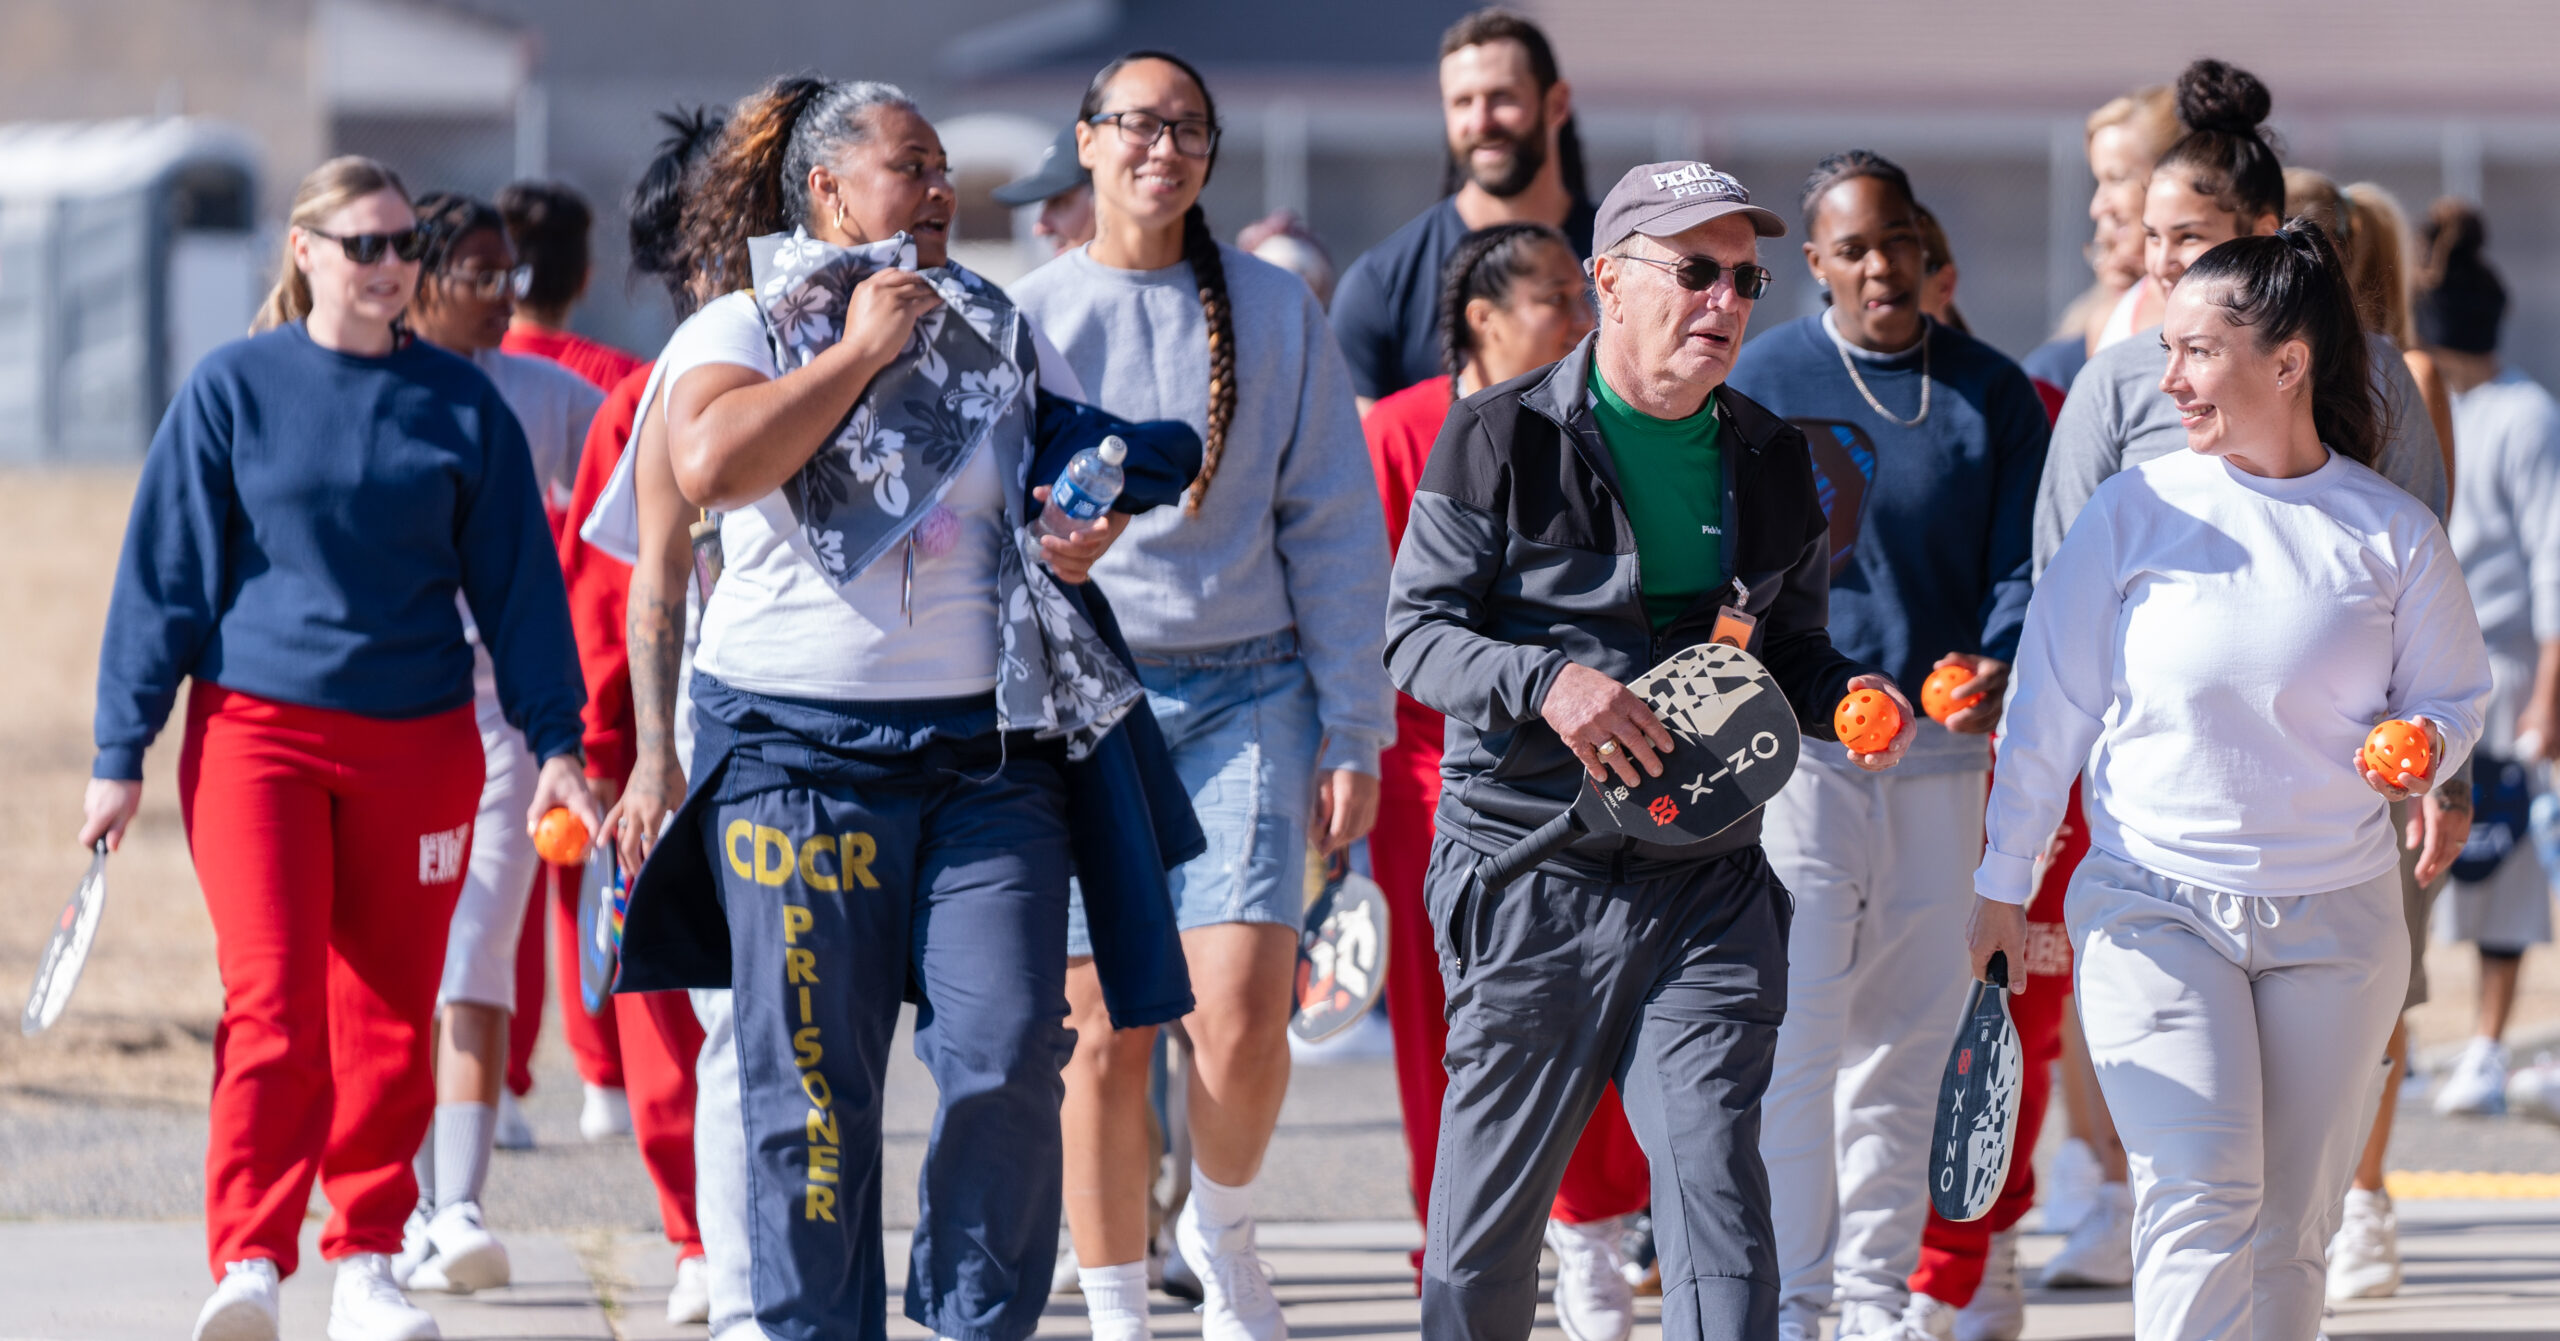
2475,1270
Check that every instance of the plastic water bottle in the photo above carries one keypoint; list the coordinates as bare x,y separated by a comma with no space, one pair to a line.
1086,489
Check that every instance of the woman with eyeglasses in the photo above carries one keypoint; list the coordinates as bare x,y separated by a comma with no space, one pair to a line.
466,292
1254,611
326,509
1928,443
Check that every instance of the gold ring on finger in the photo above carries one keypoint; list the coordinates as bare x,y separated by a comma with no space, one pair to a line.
1607,747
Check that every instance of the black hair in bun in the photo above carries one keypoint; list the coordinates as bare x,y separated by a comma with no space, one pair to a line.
2216,96
2225,153
2291,285
2461,300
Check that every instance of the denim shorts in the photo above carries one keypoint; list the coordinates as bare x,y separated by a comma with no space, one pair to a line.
1241,722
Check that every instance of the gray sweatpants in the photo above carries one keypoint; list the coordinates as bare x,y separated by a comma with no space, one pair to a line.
1672,982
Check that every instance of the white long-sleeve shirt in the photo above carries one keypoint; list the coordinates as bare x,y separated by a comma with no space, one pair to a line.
2214,646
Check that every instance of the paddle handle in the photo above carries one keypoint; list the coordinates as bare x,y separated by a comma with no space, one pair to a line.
1554,836
1997,971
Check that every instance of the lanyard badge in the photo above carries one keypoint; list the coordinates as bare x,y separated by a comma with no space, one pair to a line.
1734,623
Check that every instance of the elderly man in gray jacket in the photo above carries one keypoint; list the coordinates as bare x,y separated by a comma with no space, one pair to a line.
1574,527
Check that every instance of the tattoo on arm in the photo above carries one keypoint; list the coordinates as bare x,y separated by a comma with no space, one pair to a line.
656,639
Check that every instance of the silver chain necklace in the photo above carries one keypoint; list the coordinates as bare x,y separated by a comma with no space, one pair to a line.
1878,406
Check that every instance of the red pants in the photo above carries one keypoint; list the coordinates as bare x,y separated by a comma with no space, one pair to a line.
331,849
1952,1254
661,1041
646,1046
594,1040
1608,1175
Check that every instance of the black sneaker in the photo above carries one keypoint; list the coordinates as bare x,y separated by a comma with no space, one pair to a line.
1635,1250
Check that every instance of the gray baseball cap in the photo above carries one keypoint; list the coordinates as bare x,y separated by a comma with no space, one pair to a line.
1058,173
1660,199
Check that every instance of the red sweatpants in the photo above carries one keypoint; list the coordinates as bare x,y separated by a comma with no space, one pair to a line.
1952,1254
594,1040
1608,1175
646,1045
331,849
661,1041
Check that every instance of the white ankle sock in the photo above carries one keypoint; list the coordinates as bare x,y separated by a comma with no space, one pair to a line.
1115,1298
1220,1206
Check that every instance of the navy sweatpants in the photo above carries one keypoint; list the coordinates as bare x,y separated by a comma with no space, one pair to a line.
853,881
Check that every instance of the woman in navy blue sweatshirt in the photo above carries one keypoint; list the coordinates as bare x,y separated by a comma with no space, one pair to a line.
1927,445
315,499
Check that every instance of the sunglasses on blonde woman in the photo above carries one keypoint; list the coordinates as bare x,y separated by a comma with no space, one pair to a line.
1698,274
367,248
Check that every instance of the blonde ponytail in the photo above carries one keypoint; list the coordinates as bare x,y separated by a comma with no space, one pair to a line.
332,186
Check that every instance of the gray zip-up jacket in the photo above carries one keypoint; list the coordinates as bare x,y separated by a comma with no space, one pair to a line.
1518,558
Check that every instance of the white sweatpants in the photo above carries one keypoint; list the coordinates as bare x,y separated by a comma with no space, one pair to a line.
488,919
2239,1043
1881,868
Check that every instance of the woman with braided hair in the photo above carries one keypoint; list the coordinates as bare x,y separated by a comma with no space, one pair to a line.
466,292
1512,300
1254,610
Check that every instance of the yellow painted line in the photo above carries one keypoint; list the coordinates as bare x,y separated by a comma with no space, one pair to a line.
2413,1185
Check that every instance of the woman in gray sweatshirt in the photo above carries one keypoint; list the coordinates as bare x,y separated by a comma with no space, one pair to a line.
1256,612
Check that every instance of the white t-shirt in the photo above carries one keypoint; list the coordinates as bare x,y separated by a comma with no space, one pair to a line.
777,624
2214,646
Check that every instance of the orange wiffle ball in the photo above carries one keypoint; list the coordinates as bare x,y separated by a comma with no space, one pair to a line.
1866,721
1937,693
561,837
2398,747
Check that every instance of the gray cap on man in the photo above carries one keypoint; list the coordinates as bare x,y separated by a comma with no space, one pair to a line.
1660,199
1058,173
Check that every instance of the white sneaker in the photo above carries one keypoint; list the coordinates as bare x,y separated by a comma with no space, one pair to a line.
607,1114
1870,1322
689,1299
1999,1308
2534,1091
2477,1086
243,1306
367,1305
511,1132
2099,1252
462,1255
1927,1319
2067,1193
415,1249
2364,1258
1236,1282
1167,1269
1594,1301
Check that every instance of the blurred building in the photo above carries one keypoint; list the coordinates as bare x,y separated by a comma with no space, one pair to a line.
1331,106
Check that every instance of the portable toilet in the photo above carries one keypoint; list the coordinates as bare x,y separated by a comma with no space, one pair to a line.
126,253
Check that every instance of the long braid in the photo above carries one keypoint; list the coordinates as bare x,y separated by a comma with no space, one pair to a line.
1485,265
1200,248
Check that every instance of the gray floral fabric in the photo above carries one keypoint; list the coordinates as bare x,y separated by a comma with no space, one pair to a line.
965,383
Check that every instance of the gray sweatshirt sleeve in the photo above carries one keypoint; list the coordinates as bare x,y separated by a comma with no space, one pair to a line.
1331,533
2412,457
2087,447
2531,482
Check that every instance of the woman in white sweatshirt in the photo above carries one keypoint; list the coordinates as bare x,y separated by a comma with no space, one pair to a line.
2213,641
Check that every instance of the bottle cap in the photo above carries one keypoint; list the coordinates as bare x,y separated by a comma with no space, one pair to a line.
1114,450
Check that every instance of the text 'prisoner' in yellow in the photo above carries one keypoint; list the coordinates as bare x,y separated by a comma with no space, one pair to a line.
799,975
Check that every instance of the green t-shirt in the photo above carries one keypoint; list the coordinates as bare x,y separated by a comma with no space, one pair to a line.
1672,471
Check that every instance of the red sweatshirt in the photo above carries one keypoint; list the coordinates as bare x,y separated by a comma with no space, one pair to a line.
1400,429
601,364
600,588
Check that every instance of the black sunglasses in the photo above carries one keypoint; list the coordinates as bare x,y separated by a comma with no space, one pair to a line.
1698,274
366,248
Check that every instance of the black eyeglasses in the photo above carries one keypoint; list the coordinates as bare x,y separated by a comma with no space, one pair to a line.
486,285
1698,274
366,248
1191,139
